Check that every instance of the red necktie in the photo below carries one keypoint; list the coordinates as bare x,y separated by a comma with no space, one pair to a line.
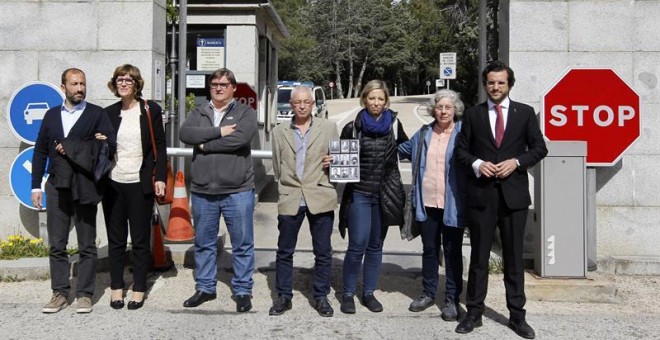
499,125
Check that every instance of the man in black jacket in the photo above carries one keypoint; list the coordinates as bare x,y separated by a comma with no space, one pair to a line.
500,140
75,119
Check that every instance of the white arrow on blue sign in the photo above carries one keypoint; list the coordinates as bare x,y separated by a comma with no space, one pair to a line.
27,107
20,179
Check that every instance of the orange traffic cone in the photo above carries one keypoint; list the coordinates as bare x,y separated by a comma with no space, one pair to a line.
160,260
179,227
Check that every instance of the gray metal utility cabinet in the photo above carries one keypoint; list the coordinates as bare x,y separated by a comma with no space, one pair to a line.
560,201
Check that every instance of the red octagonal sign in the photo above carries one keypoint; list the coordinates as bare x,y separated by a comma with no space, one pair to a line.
595,106
246,95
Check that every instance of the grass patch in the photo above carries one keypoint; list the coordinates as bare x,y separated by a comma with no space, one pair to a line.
18,246
495,266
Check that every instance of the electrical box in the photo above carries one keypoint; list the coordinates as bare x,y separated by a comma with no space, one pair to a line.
560,202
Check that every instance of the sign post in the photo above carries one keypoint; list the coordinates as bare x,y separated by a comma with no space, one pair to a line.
448,66
331,85
596,106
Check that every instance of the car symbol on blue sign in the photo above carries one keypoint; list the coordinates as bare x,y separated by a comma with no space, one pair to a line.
27,107
448,71
20,179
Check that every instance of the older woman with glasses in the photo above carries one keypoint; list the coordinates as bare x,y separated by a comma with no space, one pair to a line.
129,196
438,196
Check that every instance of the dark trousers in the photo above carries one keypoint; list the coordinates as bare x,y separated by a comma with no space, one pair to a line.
482,223
320,226
60,210
125,204
434,232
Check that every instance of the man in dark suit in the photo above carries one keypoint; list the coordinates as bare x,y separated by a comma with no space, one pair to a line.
75,120
500,139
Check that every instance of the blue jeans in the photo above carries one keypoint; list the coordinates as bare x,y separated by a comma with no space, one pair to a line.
320,226
364,240
434,231
238,210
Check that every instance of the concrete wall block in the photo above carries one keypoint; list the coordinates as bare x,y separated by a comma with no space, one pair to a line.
16,20
646,26
620,62
126,26
532,81
159,29
8,154
61,34
647,185
17,219
538,26
646,76
616,184
601,26
628,231
242,48
647,144
21,66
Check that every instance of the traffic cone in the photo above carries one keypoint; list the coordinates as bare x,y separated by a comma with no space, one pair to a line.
160,261
179,227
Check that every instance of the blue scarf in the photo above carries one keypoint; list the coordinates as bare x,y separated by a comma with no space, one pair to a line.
374,127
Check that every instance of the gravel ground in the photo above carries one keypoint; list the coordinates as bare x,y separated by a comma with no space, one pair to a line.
635,316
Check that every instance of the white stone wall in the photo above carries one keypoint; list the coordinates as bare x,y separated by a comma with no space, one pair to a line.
42,38
546,37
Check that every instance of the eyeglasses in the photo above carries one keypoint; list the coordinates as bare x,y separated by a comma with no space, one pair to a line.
302,102
223,86
444,108
127,81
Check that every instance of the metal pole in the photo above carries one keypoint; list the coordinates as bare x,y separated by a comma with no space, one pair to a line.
483,45
592,244
174,122
181,93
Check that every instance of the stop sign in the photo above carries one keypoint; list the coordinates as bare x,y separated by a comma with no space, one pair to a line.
246,95
595,106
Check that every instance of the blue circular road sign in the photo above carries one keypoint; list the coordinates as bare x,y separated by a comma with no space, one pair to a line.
27,107
448,71
20,179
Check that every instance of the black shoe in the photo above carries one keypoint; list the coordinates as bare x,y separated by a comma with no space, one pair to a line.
324,308
117,304
468,324
135,304
522,328
371,303
450,310
421,303
198,298
280,305
243,303
347,304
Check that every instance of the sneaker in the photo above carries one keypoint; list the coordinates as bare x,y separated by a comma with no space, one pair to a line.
371,303
449,311
243,303
323,307
83,305
421,303
56,304
347,304
280,305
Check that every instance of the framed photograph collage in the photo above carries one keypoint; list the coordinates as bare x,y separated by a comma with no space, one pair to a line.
345,165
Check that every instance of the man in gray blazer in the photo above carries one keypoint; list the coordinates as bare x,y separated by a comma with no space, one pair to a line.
300,164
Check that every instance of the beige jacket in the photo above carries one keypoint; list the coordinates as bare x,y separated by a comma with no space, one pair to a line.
319,193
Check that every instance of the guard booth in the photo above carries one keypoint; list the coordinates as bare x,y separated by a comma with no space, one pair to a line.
243,36
560,203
